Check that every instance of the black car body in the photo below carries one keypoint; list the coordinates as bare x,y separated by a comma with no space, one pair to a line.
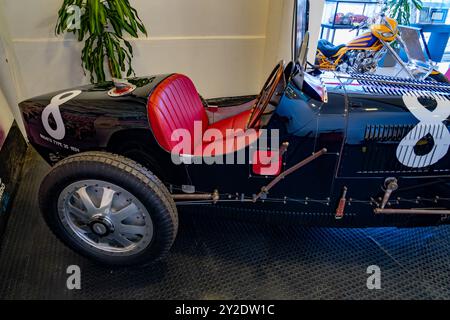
362,126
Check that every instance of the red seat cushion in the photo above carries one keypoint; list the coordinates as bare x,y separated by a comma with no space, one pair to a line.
235,136
175,104
236,122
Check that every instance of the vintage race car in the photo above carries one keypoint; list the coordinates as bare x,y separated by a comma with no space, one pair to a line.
334,150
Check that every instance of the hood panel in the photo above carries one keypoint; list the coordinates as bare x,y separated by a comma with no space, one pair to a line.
378,85
395,126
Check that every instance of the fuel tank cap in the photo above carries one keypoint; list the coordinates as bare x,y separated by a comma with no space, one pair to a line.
121,88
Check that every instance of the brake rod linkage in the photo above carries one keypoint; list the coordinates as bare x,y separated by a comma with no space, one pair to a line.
391,185
265,190
214,197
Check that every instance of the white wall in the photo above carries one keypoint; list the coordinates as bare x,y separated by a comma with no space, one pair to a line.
226,46
220,44
315,20
279,31
6,119
8,89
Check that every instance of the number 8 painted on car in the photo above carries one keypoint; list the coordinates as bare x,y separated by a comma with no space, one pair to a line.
53,109
431,123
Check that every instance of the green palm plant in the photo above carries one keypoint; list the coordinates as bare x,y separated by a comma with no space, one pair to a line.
103,23
401,11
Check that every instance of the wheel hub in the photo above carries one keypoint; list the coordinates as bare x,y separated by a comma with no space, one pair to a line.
101,226
105,218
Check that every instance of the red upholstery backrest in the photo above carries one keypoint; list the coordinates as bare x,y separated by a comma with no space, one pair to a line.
175,104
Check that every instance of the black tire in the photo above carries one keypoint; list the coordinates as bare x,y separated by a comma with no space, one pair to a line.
130,176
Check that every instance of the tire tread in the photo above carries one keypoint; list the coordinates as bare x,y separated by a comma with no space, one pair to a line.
127,167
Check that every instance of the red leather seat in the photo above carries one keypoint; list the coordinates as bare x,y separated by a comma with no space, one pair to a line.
175,104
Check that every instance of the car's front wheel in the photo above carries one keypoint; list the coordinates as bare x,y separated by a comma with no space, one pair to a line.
109,208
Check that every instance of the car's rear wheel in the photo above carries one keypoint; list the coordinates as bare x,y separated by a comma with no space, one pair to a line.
109,208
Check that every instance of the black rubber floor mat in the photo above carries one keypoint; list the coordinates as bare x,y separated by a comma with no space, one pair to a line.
226,259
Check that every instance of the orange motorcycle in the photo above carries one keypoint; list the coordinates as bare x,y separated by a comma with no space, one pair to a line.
362,54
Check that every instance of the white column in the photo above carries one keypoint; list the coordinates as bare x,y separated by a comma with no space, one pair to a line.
315,20
279,32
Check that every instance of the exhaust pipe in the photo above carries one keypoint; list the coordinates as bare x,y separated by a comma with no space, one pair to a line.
214,197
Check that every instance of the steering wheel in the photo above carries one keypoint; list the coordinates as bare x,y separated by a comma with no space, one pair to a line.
266,95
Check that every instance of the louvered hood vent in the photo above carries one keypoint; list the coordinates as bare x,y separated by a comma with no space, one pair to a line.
386,132
380,151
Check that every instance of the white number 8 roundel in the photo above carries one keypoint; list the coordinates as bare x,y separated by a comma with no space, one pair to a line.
431,123
53,109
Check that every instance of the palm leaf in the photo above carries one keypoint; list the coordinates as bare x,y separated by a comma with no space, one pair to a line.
401,9
102,26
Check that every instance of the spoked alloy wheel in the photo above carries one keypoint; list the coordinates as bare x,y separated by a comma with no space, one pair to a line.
105,217
109,209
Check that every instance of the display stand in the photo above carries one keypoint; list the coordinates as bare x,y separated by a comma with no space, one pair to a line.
345,15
